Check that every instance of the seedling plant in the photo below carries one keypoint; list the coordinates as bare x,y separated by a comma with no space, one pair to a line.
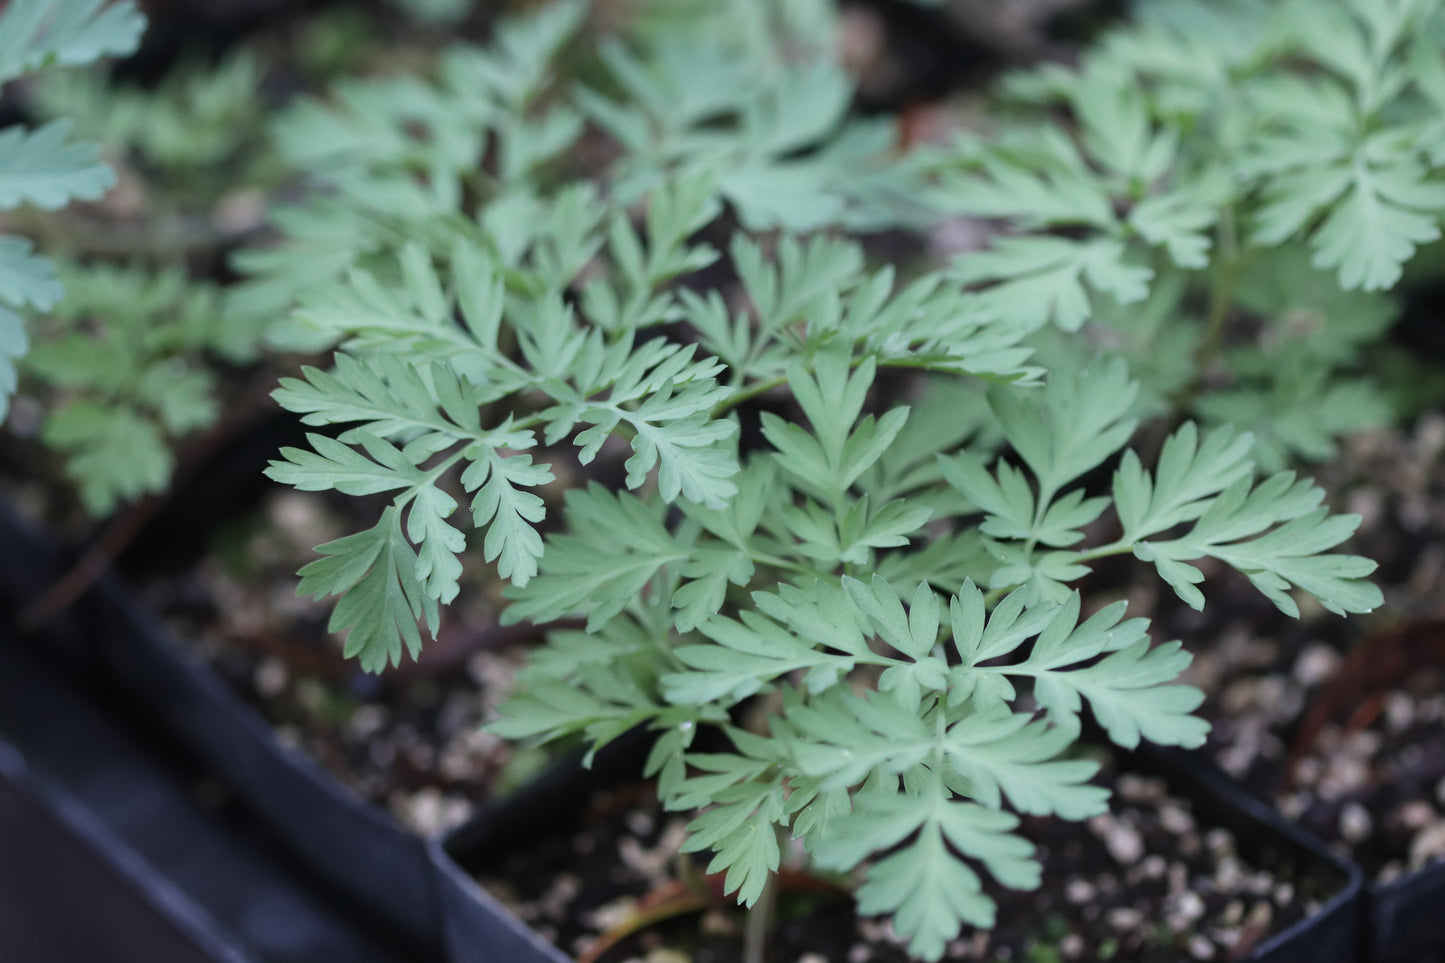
859,504
876,602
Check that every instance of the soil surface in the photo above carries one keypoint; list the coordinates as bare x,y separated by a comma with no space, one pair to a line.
409,739
1147,881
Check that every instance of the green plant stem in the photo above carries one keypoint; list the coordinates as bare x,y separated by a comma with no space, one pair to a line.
747,394
777,561
763,387
1229,266
1042,504
1104,551
760,923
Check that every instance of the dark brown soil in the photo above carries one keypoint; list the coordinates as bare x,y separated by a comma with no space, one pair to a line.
409,739
1146,882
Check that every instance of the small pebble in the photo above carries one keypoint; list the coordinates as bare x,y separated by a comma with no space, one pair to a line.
271,678
663,954
611,914
1135,788
1355,822
1235,759
639,823
1316,665
1201,948
1079,891
1307,771
1228,874
1428,845
1123,843
430,812
1344,776
1175,819
1272,692
1219,841
1239,697
1261,915
367,720
1259,882
1233,913
1415,814
638,857
1399,712
1179,878
1072,946
1294,805
1124,918
1189,905
560,895
716,921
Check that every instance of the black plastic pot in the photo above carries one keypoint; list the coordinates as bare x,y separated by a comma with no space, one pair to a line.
1334,934
107,639
474,927
479,929
125,851
1407,918
54,853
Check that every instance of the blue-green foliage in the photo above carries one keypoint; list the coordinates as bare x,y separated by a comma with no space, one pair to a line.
894,565
1272,163
42,167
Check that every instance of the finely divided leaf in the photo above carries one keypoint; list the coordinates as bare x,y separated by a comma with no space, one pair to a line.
334,465
1033,280
614,547
929,890
34,33
1236,528
741,829
1181,488
437,542
744,657
38,167
382,600
511,540
26,278
13,345
1003,754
